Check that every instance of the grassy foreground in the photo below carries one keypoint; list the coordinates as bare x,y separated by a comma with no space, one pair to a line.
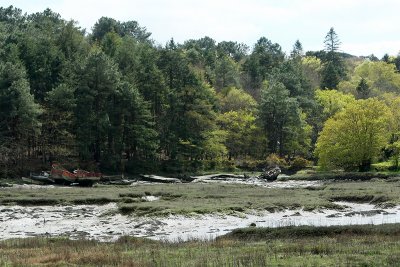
209,198
289,246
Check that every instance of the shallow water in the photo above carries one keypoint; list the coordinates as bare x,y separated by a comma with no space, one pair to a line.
104,224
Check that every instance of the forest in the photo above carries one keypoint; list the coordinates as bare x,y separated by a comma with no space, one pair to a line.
116,101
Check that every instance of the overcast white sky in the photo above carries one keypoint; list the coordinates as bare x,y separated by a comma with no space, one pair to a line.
364,26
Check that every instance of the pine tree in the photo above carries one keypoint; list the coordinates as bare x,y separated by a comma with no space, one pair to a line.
363,89
334,69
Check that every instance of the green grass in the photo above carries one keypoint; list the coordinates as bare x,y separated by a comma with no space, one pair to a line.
210,198
293,246
312,175
298,232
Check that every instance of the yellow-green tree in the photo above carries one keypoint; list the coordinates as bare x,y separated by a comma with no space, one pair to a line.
354,137
381,77
238,120
393,147
332,101
329,102
312,67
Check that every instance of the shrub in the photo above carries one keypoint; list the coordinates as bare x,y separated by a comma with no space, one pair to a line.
299,163
273,160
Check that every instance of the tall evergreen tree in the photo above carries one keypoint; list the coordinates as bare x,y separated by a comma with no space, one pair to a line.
334,68
19,116
363,90
297,51
264,58
280,115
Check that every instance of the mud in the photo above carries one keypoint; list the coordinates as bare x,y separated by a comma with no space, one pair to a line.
104,223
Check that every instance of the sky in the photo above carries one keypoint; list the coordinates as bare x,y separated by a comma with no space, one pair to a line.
364,27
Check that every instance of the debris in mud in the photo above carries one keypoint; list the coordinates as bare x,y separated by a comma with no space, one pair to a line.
159,179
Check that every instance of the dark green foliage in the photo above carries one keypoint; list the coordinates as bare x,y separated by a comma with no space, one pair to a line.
332,42
330,76
397,62
111,116
19,117
334,70
386,58
297,51
113,100
279,114
108,25
236,51
363,90
265,57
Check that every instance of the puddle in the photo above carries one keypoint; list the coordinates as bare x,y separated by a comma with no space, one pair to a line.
102,223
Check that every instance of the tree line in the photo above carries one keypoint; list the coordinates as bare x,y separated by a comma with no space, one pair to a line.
115,100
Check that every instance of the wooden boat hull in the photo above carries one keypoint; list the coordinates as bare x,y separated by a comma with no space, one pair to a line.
39,179
80,177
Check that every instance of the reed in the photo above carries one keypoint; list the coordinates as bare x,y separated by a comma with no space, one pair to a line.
366,245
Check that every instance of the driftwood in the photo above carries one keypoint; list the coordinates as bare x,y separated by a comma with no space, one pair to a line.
218,176
158,179
121,182
270,174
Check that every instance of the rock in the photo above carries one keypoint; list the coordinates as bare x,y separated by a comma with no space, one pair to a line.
270,174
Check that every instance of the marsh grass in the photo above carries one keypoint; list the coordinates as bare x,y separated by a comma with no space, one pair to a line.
311,175
210,198
288,246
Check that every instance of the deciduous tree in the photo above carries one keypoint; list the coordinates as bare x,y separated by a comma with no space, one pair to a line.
355,136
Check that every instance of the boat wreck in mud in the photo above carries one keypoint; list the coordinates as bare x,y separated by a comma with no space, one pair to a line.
60,175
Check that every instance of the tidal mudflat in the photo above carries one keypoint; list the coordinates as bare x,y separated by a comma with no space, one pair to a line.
104,223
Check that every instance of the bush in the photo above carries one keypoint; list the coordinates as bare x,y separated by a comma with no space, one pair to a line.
273,160
251,164
299,163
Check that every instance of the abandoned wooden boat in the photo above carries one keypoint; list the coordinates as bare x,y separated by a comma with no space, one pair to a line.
62,176
41,178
